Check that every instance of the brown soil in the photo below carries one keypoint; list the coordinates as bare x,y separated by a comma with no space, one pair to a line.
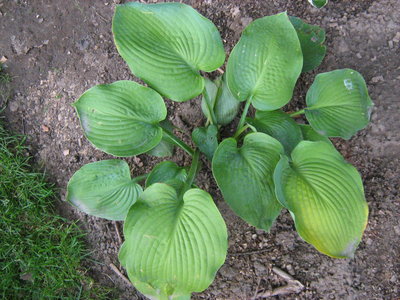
58,49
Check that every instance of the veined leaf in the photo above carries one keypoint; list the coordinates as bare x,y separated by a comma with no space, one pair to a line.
318,3
311,39
104,189
173,246
166,146
325,196
338,104
122,118
206,139
166,45
167,172
244,176
266,63
309,134
279,125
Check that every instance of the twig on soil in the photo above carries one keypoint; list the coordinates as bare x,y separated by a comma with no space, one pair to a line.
256,291
220,70
118,272
293,286
118,234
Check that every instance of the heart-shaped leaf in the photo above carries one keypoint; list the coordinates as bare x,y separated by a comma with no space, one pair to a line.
104,189
166,45
206,138
173,246
338,104
318,3
122,118
166,145
311,39
325,195
266,63
222,101
279,125
244,176
309,134
167,172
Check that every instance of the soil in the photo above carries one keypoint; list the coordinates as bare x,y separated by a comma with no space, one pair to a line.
58,49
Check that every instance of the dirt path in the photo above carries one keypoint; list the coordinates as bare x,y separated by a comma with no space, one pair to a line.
58,49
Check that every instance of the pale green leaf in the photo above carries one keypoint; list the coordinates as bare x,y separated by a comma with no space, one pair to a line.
121,118
244,176
325,196
279,125
173,246
103,189
166,45
266,63
206,139
311,39
338,104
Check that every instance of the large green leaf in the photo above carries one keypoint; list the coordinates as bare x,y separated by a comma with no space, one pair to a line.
279,125
318,3
309,134
266,63
223,103
167,172
122,118
244,176
338,104
325,195
104,189
206,138
166,45
173,246
311,39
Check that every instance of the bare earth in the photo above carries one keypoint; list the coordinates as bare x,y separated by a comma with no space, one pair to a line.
57,49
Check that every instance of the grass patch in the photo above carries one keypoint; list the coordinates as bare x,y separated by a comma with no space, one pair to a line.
40,252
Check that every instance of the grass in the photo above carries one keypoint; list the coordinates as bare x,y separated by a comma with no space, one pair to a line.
40,253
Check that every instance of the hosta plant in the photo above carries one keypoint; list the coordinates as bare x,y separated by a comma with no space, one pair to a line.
175,237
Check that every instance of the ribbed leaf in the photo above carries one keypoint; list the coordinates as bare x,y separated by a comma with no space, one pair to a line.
165,147
103,189
173,246
338,104
265,63
167,172
309,134
206,138
121,118
325,195
244,176
318,3
311,39
279,125
166,44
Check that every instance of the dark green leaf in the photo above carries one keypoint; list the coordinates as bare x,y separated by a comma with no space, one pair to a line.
206,138
166,45
103,189
122,118
166,146
167,172
318,3
309,134
244,176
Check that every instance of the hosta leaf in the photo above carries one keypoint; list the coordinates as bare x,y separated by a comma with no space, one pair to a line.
166,146
206,138
167,172
311,39
173,246
325,195
122,118
279,125
266,63
103,189
309,134
244,176
166,45
338,104
221,100
318,3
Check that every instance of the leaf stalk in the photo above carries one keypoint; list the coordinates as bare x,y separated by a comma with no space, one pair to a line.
177,141
213,119
194,169
296,113
243,117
